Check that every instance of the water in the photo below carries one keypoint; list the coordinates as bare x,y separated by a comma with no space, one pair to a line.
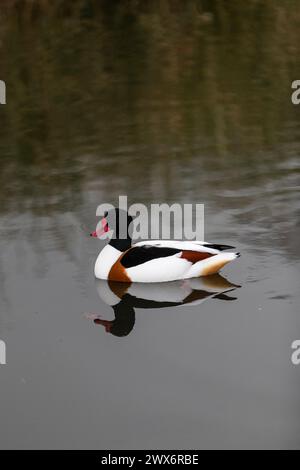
164,103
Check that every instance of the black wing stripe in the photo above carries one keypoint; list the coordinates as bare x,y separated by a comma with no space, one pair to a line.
141,254
215,246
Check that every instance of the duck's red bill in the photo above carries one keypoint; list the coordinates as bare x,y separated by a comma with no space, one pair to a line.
101,231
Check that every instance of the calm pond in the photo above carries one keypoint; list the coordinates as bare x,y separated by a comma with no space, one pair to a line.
162,102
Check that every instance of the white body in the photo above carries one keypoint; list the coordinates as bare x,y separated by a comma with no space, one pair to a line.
106,259
169,268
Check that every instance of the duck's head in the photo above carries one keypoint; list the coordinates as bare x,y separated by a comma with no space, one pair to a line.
115,225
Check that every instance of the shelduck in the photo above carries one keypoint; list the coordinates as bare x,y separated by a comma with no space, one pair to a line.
155,260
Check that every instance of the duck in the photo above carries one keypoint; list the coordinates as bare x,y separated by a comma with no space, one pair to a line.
124,298
154,261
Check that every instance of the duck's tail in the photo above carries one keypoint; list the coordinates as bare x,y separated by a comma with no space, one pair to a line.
213,264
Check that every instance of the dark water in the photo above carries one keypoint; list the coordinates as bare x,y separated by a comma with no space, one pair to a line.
164,103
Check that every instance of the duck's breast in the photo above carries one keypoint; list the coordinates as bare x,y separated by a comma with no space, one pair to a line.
106,259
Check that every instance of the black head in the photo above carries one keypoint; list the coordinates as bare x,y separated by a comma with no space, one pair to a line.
117,221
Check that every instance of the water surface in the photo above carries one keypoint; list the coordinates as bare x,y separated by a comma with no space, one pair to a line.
164,103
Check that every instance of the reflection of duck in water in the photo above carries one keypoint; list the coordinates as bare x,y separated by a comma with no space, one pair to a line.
124,298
